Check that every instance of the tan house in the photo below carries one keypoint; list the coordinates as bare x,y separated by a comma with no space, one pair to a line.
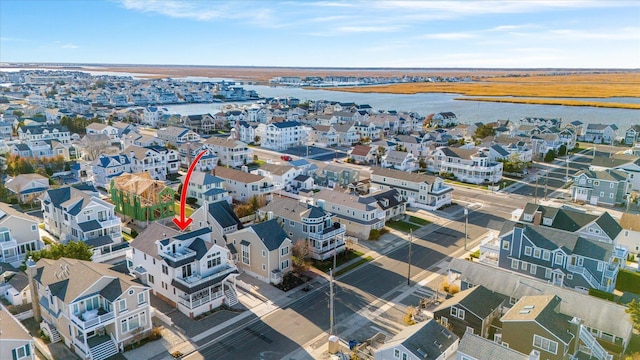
263,251
15,341
92,308
630,234
28,186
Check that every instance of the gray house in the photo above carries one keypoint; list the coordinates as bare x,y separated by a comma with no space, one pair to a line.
607,187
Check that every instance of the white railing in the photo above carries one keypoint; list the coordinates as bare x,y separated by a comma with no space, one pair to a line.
596,349
99,320
192,304
176,256
107,223
194,280
586,274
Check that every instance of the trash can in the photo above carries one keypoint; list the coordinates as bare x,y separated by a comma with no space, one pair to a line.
334,344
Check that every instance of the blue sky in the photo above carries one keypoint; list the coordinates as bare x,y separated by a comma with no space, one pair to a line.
511,34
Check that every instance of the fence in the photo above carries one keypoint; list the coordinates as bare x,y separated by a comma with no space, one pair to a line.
161,316
24,315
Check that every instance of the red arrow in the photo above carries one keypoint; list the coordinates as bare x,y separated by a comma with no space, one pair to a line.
182,222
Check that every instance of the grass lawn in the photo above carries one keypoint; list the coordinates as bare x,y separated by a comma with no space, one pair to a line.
402,226
634,344
628,281
419,221
126,237
188,210
341,258
354,265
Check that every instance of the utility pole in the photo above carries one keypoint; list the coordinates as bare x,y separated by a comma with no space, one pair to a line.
536,193
409,270
466,224
546,183
331,302
566,174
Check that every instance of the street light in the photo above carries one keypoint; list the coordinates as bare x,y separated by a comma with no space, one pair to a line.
466,224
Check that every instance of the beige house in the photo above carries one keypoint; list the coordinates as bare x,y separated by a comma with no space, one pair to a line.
242,186
630,234
15,341
94,309
28,186
262,250
359,214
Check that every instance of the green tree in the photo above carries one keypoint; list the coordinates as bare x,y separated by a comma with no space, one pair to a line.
633,309
422,163
562,150
380,153
73,249
170,146
18,113
550,156
483,131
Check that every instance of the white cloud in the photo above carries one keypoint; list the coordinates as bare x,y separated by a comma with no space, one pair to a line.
367,29
200,10
451,36
627,33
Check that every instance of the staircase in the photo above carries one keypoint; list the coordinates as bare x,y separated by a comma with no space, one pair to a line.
596,349
51,331
103,350
232,297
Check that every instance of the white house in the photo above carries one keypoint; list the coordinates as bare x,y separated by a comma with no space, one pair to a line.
206,187
191,271
242,186
425,340
158,161
230,152
177,135
106,167
630,234
427,191
27,187
280,175
19,234
15,340
281,135
466,165
400,160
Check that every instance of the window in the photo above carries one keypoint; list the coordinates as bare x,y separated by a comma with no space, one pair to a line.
596,183
151,279
122,305
524,265
600,266
533,269
165,270
527,250
33,227
141,299
558,259
133,322
284,265
505,245
569,276
611,186
245,255
264,267
601,194
536,253
405,356
455,312
21,352
547,273
396,353
545,344
469,329
514,263
285,251
264,253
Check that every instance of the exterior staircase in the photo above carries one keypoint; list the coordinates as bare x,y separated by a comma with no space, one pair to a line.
232,297
104,350
50,331
597,350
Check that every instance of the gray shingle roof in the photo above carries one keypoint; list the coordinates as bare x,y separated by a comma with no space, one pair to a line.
270,233
425,341
222,212
484,349
478,300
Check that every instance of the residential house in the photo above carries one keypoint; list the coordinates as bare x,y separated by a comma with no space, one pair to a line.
566,259
332,175
219,217
280,175
541,121
15,340
403,161
630,234
91,146
19,234
140,198
200,123
72,214
600,133
246,132
189,270
577,127
474,347
6,130
264,251
599,226
362,154
422,190
281,135
14,285
323,135
359,214
29,134
189,151
111,132
627,163
426,340
157,161
632,135
595,313
206,187
106,168
415,145
242,186
93,309
177,135
347,134
27,187
471,166
391,202
472,310
444,119
367,130
232,153
152,115
305,222
608,187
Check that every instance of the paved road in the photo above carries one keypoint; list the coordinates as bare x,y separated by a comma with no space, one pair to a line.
287,329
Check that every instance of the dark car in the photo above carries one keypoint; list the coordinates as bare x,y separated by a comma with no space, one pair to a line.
286,158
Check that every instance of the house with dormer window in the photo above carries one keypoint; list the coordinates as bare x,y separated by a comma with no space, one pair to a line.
93,309
191,271
157,161
177,135
231,152
608,187
264,251
206,187
305,222
189,151
600,133
466,165
106,167
565,259
19,234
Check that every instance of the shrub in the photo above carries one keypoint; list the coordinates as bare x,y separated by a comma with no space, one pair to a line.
408,316
192,201
156,333
134,233
454,289
374,234
601,294
445,286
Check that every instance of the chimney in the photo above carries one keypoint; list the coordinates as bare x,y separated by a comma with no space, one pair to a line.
534,355
35,300
270,215
537,217
244,168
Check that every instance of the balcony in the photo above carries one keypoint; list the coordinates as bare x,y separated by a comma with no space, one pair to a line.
266,189
326,252
94,319
194,303
196,279
611,271
328,233
620,252
180,254
107,223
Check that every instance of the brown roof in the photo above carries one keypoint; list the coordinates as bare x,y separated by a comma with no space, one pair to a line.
630,221
237,175
12,329
361,150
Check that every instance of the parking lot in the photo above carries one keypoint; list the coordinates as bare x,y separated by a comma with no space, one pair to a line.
316,153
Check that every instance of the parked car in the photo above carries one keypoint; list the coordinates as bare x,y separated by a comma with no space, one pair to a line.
286,158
